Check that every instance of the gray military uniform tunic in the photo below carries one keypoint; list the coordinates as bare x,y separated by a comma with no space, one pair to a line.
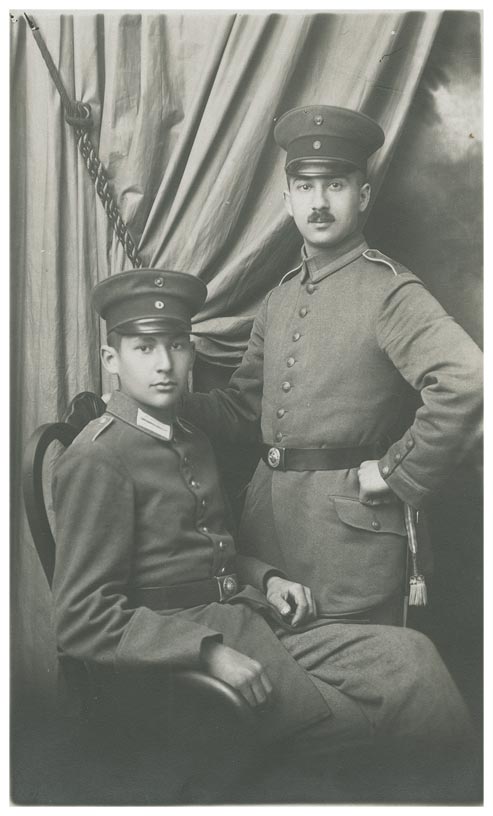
332,354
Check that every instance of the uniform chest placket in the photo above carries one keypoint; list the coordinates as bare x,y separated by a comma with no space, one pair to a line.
201,487
292,360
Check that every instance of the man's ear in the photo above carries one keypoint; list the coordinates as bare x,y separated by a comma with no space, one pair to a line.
287,201
110,359
364,197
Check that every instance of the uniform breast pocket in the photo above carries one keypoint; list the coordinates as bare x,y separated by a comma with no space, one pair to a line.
371,546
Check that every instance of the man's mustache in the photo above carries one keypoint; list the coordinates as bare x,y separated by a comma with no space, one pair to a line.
320,217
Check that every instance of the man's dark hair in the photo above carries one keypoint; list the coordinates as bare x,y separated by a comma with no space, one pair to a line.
114,340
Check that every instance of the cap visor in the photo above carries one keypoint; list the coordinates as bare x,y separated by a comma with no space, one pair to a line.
323,167
152,325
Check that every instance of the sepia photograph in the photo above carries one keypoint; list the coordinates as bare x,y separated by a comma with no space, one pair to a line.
246,377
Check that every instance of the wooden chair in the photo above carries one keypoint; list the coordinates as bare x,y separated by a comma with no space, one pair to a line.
189,683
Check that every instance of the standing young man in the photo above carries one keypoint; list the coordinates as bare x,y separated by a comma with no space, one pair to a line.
332,353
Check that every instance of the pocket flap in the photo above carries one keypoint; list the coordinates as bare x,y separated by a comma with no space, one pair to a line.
385,518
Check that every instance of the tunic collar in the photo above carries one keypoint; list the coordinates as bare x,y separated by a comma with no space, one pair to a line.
332,259
125,408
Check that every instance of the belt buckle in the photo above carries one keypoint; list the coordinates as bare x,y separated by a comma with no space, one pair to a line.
275,457
228,586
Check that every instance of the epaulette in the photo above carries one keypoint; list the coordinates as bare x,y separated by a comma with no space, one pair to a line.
290,274
378,257
102,423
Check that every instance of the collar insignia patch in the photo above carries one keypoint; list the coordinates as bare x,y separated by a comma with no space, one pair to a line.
148,423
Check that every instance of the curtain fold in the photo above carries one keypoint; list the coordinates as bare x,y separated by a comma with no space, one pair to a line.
239,238
184,107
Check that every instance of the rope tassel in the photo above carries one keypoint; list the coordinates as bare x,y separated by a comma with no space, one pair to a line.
417,586
417,591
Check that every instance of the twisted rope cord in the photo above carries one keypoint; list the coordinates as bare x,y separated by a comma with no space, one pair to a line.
78,116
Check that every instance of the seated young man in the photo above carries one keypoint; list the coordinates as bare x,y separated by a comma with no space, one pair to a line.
147,574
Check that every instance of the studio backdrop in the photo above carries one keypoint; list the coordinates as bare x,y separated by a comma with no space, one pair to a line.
183,107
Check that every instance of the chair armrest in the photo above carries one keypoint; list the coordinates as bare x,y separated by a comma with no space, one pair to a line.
93,686
199,682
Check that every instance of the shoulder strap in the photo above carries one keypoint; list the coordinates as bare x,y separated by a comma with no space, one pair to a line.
378,257
290,274
102,423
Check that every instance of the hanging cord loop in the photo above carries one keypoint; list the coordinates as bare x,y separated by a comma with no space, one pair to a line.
417,587
78,116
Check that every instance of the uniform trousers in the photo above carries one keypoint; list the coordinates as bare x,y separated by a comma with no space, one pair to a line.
384,686
382,682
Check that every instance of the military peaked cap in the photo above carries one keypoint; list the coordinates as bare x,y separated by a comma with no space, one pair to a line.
149,301
326,134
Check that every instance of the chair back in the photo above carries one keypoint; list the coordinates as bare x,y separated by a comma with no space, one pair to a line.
83,408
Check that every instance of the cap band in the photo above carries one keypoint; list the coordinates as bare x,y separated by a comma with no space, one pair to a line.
325,149
157,306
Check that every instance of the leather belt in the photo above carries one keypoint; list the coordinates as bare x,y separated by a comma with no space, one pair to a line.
316,458
184,596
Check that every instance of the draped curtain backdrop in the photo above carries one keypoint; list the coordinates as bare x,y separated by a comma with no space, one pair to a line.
183,107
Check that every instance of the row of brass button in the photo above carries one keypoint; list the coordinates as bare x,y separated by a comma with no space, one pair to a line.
203,503
286,385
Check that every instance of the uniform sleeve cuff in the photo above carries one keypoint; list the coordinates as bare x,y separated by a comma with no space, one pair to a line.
395,455
271,574
253,571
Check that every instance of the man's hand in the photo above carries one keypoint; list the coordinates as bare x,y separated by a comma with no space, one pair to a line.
244,674
291,599
373,489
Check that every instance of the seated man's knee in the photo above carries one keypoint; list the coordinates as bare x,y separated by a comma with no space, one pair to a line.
425,700
416,651
423,672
